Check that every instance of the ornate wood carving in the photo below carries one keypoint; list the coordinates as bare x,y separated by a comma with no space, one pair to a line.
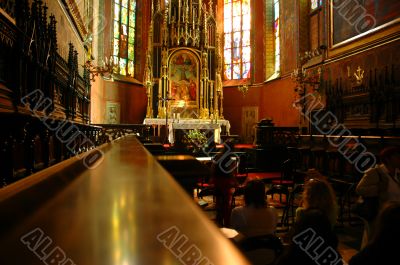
74,13
38,91
8,6
371,103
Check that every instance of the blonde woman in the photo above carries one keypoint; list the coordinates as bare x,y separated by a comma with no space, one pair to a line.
319,194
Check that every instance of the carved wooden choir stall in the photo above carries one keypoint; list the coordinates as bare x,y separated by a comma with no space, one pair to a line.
44,99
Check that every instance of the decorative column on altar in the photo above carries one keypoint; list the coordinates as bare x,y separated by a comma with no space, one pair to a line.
148,77
164,93
218,83
205,85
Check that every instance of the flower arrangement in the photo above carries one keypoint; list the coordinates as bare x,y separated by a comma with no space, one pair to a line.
196,139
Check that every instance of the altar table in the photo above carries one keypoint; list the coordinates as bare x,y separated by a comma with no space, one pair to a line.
190,124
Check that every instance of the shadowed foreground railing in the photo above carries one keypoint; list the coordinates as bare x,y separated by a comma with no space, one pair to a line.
126,210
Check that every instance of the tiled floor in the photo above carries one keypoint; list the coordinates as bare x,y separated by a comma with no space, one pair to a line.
349,235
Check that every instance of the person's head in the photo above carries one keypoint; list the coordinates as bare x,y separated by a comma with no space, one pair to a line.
387,226
319,194
254,193
390,156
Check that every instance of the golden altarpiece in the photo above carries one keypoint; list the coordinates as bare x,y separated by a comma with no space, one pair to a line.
183,66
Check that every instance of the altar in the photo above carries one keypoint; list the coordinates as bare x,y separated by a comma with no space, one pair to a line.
190,124
183,71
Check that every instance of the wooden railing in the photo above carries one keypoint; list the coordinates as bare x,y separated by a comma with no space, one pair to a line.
114,131
128,209
29,144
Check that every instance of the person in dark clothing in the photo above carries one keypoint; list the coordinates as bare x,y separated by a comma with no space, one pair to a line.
384,246
312,242
224,180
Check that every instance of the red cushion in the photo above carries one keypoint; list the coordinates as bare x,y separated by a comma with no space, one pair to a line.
243,146
283,182
205,185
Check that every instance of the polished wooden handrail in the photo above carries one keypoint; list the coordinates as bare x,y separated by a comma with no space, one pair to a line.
128,210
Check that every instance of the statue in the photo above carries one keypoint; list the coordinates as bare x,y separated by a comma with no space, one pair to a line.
148,59
205,55
218,82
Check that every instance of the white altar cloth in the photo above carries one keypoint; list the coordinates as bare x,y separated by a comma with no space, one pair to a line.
190,124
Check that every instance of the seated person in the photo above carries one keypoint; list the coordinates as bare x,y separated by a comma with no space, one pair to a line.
381,181
383,247
319,194
312,241
255,218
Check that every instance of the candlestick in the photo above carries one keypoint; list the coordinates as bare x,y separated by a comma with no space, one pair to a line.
159,88
169,11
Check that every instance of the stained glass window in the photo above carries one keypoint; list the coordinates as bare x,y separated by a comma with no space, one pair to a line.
277,36
315,4
124,37
237,51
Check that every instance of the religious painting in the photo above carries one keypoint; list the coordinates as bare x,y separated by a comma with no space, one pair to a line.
249,121
184,79
112,112
351,20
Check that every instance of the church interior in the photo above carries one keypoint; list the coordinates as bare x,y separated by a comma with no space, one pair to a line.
137,130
